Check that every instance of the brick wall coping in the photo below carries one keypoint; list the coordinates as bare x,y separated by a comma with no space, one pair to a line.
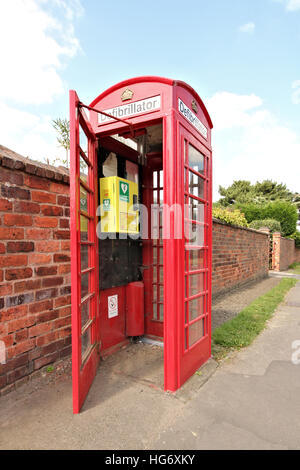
221,222
15,161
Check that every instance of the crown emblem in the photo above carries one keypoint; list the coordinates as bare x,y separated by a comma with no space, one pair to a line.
127,95
194,106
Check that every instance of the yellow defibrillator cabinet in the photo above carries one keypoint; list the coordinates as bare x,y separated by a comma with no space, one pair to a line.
119,205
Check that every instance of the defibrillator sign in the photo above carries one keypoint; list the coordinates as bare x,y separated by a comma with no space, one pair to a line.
124,191
131,109
192,118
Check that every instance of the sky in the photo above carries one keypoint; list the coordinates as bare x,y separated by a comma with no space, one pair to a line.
241,56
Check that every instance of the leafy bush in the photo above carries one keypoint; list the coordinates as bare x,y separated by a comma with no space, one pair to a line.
283,211
273,225
232,217
296,236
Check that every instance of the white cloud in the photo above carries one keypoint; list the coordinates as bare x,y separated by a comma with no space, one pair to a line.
247,28
37,40
249,142
296,93
35,46
28,134
290,5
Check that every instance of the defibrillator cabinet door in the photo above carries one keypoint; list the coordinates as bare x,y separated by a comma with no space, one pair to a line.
84,252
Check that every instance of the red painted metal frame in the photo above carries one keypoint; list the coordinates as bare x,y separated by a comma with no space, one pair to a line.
178,366
83,372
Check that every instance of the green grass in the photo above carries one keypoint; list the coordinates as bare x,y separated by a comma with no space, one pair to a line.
240,331
295,268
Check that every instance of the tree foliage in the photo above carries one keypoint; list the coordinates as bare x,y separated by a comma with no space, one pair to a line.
242,191
271,224
283,211
232,217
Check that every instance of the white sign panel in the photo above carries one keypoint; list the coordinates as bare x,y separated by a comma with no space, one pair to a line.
112,306
130,109
192,118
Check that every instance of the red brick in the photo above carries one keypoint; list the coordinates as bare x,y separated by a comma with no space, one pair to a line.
35,182
5,289
8,341
20,324
5,205
11,233
64,223
65,332
17,220
38,307
38,234
16,247
13,260
61,258
63,200
46,270
64,269
13,313
47,316
60,188
2,275
27,207
19,299
45,360
61,301
62,322
22,347
46,222
12,177
2,248
47,246
17,374
21,273
13,192
41,329
39,258
27,285
65,311
46,294
61,235
52,281
48,338
52,211
65,245
40,196
21,335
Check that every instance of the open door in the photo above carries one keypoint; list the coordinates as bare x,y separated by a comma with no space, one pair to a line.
84,253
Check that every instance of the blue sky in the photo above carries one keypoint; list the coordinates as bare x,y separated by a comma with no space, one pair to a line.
241,56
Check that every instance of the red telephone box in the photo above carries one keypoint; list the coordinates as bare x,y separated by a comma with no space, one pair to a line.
150,137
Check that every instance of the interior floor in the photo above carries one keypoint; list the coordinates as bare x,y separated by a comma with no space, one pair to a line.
140,362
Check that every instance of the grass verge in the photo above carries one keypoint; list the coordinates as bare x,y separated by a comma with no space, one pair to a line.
295,267
241,330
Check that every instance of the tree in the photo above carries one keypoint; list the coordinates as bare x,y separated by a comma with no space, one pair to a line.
62,126
242,191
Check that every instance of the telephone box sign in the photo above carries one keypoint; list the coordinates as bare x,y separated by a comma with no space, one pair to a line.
192,118
131,109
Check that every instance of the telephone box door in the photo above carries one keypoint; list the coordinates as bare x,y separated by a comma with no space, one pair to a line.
84,252
195,341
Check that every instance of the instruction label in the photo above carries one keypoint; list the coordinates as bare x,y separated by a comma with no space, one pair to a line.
112,306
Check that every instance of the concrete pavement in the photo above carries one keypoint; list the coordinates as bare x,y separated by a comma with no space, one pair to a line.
251,401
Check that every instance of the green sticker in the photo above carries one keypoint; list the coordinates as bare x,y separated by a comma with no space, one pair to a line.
106,204
124,191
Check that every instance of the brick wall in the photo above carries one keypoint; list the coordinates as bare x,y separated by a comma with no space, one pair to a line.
239,255
284,252
34,266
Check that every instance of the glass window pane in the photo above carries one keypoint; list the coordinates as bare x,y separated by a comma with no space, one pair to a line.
161,312
84,222
195,210
196,259
196,308
85,313
196,284
85,342
84,285
84,170
196,332
196,160
196,185
83,199
194,233
154,179
83,141
84,256
155,311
